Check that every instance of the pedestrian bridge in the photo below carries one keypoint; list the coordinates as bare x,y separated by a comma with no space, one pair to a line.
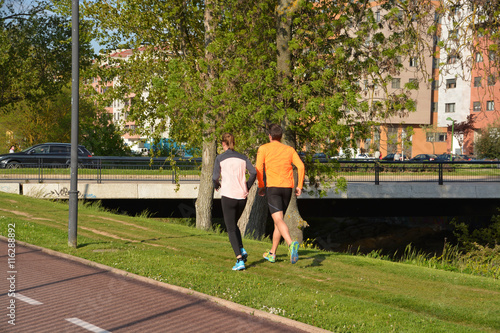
165,190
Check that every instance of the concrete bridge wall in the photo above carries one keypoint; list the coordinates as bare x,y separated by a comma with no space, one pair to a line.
144,190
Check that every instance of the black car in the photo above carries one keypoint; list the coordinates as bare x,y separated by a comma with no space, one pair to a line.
443,157
48,154
462,157
390,157
423,158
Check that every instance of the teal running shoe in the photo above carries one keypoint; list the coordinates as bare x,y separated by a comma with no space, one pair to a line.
269,256
240,265
294,252
244,254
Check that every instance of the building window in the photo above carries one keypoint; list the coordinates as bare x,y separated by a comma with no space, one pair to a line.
477,81
396,83
479,57
490,105
449,107
392,140
413,83
492,55
441,137
413,62
476,106
453,34
452,58
376,134
491,80
436,137
451,83
435,84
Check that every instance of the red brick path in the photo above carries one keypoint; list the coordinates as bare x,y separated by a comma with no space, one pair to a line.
71,292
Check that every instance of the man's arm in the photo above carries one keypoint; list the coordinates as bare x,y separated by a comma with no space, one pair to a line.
259,167
301,170
252,172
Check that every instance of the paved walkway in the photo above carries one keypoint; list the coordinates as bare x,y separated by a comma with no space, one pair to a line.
60,293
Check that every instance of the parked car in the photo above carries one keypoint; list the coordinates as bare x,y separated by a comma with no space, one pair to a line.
423,158
50,154
461,157
464,157
364,156
390,157
443,157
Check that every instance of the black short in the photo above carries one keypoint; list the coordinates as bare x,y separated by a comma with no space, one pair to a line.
278,198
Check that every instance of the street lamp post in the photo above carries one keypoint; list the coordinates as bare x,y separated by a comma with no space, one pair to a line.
452,130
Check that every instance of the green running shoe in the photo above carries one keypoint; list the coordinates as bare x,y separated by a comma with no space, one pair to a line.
294,252
269,256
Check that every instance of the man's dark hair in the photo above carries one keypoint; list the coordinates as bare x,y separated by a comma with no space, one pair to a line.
276,132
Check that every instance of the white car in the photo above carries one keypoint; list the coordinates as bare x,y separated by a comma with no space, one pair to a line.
364,156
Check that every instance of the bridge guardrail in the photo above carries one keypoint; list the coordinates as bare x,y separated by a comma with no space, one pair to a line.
104,169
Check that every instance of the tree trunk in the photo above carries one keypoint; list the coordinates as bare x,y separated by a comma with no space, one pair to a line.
292,217
285,11
253,220
206,191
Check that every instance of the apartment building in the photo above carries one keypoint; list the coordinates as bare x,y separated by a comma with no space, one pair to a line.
458,91
417,132
485,90
454,92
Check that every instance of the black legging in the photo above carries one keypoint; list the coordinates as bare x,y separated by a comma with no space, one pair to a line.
232,210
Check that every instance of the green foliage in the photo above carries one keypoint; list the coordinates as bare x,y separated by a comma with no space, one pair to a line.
38,52
488,144
101,136
49,120
479,260
36,68
486,236
482,260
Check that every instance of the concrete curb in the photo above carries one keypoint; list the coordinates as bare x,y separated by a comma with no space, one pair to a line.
216,300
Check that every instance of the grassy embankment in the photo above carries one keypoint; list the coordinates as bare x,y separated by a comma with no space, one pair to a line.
337,292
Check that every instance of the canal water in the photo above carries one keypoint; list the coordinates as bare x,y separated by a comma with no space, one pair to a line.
352,225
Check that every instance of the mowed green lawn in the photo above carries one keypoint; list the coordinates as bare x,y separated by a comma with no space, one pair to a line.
337,292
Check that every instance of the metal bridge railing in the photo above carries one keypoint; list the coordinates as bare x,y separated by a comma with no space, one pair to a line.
104,169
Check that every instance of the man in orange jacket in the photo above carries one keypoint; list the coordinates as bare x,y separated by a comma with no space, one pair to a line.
275,159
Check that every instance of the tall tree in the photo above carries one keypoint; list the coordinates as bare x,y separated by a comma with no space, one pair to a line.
209,145
488,144
194,81
35,67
